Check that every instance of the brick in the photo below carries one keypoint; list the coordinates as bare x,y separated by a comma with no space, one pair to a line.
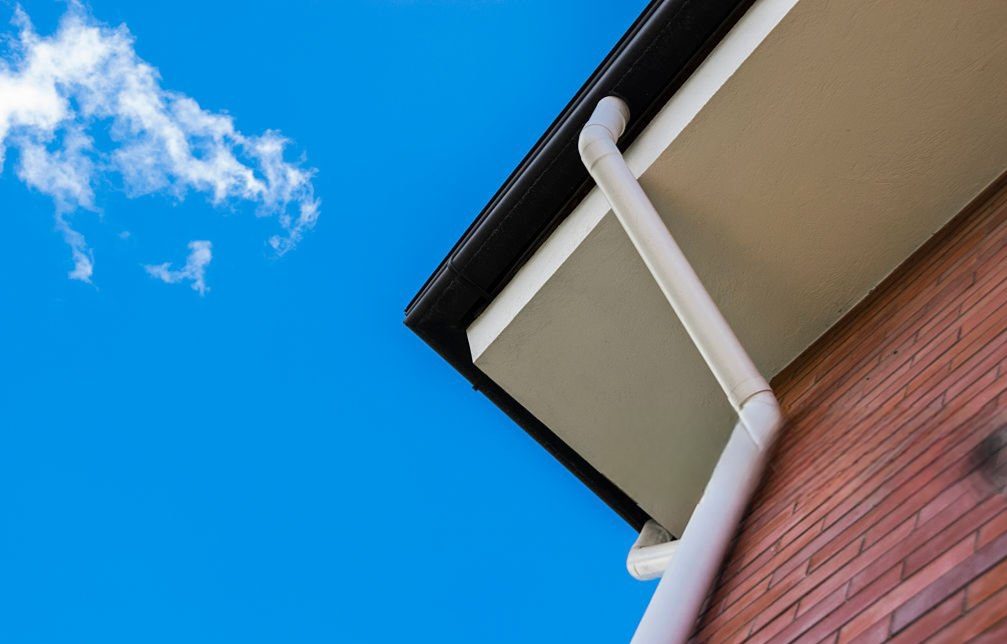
932,621
827,580
874,634
871,522
756,613
996,634
945,539
772,628
950,582
961,494
799,625
991,582
992,530
816,624
983,619
881,556
878,610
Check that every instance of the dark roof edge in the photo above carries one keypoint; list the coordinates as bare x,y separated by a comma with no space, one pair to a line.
649,63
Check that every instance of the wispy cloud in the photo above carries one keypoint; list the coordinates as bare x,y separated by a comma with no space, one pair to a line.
194,270
56,90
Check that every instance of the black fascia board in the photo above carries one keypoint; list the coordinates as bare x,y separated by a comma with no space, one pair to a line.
650,62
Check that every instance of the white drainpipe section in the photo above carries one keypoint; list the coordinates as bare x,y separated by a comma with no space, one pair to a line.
675,606
650,554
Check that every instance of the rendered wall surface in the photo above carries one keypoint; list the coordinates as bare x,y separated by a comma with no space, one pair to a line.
879,517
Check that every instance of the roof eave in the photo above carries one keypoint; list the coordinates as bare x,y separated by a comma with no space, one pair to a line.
662,48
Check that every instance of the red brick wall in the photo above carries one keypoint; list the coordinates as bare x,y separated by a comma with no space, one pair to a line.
879,517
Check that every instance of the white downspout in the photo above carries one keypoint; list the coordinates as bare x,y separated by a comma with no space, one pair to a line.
675,606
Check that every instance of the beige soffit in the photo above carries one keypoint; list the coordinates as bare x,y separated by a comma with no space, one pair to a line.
811,153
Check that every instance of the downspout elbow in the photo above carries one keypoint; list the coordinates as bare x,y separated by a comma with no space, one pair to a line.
599,135
760,420
762,417
653,550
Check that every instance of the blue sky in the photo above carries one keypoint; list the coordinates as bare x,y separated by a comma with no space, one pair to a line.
279,459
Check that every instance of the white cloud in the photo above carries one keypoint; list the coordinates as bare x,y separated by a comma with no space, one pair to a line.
194,270
55,90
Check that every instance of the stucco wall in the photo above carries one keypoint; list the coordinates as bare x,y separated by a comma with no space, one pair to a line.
879,519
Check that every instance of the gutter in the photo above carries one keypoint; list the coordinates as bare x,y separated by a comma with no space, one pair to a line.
697,557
